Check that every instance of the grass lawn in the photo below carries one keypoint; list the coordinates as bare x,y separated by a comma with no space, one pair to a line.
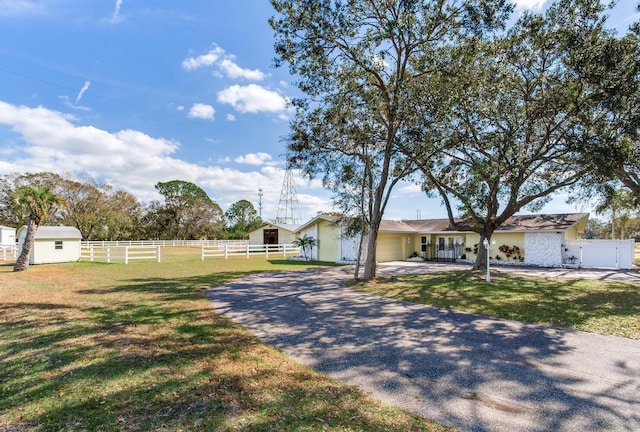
608,308
113,347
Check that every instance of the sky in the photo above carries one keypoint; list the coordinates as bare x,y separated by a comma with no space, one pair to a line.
132,93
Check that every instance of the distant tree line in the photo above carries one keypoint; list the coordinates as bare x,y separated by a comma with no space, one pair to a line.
100,212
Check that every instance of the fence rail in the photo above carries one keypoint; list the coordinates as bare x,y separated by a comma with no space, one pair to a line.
248,250
8,253
174,243
120,253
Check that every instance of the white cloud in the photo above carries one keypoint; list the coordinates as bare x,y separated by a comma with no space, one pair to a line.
530,4
231,117
207,59
235,71
180,107
254,158
11,8
202,111
225,64
252,98
130,160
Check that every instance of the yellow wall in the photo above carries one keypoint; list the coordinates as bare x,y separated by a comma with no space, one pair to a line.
394,247
329,241
509,239
576,231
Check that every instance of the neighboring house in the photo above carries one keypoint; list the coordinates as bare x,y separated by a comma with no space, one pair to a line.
7,236
53,244
273,234
531,239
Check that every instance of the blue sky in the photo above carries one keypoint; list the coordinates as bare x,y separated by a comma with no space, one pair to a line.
137,92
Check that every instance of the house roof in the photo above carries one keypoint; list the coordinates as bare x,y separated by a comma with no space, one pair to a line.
288,227
56,232
517,223
318,217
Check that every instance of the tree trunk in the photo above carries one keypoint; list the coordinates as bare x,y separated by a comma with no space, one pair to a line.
358,256
22,263
372,241
482,257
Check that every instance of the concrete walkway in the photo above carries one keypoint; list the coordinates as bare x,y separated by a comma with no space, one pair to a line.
463,370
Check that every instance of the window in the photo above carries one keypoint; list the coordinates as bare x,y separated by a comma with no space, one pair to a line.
58,244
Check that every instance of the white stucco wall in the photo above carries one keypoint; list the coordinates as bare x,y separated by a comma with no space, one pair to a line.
349,248
543,249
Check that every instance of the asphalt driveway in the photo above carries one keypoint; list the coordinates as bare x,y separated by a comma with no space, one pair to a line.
469,371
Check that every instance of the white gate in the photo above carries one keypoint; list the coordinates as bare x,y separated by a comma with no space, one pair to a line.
618,254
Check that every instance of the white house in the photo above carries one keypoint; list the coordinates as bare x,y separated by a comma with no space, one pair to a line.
53,244
7,236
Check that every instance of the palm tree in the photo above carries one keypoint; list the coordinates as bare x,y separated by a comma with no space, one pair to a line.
304,243
39,202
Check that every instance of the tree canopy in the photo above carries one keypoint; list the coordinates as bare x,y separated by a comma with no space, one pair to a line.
358,64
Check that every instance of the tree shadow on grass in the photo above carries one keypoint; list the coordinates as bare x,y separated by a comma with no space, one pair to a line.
151,354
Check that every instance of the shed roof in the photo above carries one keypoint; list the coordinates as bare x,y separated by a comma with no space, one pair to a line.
57,232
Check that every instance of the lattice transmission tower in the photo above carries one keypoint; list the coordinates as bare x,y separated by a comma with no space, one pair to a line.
288,208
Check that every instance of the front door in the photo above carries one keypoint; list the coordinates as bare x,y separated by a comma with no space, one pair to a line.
270,236
448,248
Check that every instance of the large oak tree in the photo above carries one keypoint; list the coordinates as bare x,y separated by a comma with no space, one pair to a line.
513,115
356,63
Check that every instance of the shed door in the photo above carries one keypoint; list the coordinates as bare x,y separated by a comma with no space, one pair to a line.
270,236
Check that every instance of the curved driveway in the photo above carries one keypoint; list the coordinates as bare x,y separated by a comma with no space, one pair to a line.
469,371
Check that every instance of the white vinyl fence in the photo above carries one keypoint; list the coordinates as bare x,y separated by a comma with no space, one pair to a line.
8,253
618,254
227,250
170,243
120,253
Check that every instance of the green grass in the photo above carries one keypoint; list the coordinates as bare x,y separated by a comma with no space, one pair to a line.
608,308
114,347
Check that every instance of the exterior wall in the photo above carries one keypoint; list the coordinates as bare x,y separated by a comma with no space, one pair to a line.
393,247
349,247
7,236
509,239
328,241
576,231
312,231
543,249
284,236
44,251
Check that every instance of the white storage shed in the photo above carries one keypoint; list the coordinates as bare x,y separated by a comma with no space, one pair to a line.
7,236
53,244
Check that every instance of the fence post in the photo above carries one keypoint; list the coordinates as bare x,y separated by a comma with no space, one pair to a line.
202,252
284,250
266,251
108,254
91,252
226,254
126,254
247,251
158,253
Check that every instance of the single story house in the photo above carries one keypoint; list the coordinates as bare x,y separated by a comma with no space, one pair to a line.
53,244
7,236
530,239
273,234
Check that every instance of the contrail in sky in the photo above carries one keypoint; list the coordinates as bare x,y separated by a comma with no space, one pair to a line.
116,12
84,88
